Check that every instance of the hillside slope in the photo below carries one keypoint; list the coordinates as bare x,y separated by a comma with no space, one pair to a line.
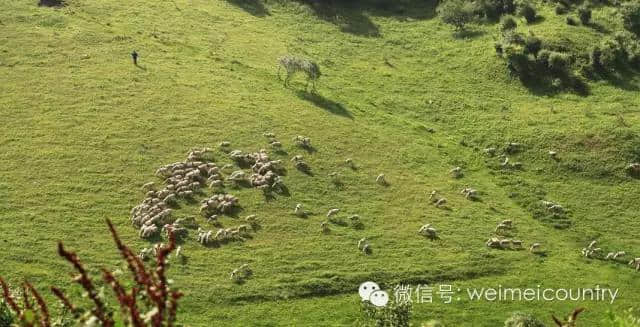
83,129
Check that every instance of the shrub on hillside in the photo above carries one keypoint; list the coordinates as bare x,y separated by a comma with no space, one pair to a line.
532,45
458,13
394,314
630,12
558,62
561,9
584,13
519,319
493,9
571,21
543,58
507,23
527,11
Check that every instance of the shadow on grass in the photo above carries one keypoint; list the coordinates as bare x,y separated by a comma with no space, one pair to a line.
468,34
254,7
331,106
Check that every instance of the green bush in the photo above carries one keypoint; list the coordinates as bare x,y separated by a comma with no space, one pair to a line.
6,318
527,11
561,9
493,9
630,12
584,13
517,60
457,13
558,62
571,21
519,319
543,58
532,45
507,23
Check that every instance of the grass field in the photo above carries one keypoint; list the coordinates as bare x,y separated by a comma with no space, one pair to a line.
82,129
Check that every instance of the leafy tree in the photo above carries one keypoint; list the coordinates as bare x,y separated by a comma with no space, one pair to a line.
519,319
507,23
527,11
631,16
457,13
584,13
532,44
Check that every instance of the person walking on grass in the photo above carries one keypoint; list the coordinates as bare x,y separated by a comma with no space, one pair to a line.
134,55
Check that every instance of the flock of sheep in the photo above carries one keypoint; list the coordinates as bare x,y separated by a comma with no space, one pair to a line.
594,252
182,180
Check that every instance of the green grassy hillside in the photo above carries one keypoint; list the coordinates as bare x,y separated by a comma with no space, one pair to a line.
82,129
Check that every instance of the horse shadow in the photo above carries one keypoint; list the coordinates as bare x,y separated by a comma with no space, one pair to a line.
329,105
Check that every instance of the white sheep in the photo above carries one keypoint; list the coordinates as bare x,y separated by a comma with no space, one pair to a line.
381,180
456,172
517,244
366,249
535,247
332,212
325,227
362,242
469,193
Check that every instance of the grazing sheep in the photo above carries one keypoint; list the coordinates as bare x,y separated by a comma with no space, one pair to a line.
332,212
456,172
505,243
619,254
469,193
225,144
147,231
297,157
553,154
302,141
268,135
367,249
507,222
302,166
502,228
633,169
381,180
350,163
517,244
635,262
490,151
325,227
362,242
148,186
432,196
512,147
298,210
441,202
428,231
493,243
275,144
145,254
535,247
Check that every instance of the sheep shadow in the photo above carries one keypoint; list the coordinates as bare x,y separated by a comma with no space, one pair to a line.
253,7
331,106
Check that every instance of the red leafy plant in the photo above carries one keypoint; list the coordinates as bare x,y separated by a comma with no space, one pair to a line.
149,302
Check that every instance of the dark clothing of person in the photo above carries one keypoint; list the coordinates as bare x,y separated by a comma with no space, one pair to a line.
134,55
